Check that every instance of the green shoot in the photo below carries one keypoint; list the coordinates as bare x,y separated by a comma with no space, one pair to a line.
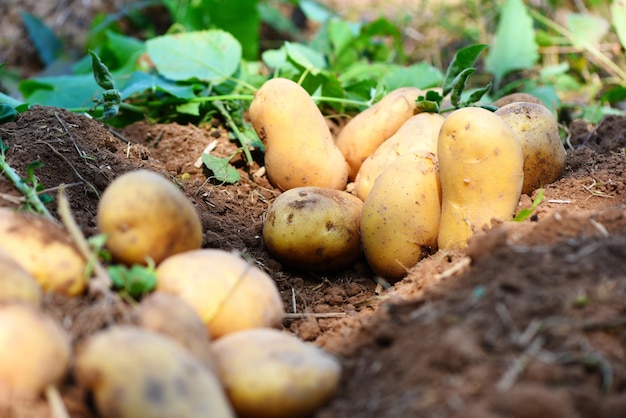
134,281
524,214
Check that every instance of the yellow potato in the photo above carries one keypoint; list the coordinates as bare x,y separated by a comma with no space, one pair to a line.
400,217
538,131
34,350
170,315
132,372
370,128
481,172
418,134
517,97
314,228
44,250
16,284
144,215
300,150
270,374
228,293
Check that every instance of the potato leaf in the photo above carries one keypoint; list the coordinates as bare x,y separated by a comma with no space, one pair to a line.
587,30
463,59
48,45
524,214
221,168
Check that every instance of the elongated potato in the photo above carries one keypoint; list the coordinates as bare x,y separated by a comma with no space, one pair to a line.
481,172
34,350
228,293
16,284
370,128
418,134
314,228
400,217
45,250
270,374
538,131
132,372
144,215
300,150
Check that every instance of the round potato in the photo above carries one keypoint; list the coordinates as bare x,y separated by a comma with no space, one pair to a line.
34,350
228,293
145,216
270,374
45,250
132,372
314,228
538,132
16,284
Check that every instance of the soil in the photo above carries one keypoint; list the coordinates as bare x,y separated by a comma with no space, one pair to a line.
528,321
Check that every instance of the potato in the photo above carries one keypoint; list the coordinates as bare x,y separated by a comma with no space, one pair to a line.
144,216
16,284
538,131
481,172
132,372
517,97
299,148
228,293
370,128
34,350
170,315
270,374
400,217
44,250
314,228
419,133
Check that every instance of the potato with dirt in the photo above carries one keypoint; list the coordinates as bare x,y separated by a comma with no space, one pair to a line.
132,372
228,292
481,173
401,215
145,216
35,350
373,126
419,133
313,228
271,374
45,250
299,148
16,284
538,131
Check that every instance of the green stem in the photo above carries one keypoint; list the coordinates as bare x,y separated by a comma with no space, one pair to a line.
245,144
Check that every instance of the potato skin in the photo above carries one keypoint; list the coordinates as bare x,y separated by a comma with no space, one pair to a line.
300,150
34,350
481,172
538,131
133,372
401,215
370,128
228,293
270,374
45,250
419,133
517,97
16,284
146,216
314,228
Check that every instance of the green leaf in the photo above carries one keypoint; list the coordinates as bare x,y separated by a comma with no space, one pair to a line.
240,18
420,75
306,57
458,85
586,29
140,82
524,214
618,14
211,56
7,113
221,168
514,46
463,59
101,72
62,91
48,45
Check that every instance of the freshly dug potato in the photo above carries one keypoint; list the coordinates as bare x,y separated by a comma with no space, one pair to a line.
419,133
481,172
228,293
16,284
370,128
299,148
400,217
144,215
34,350
538,131
517,97
170,315
132,372
270,374
314,228
44,250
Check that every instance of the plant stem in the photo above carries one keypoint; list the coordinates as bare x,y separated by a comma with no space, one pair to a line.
243,141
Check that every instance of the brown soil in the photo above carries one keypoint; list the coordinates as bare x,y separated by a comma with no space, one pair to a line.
529,321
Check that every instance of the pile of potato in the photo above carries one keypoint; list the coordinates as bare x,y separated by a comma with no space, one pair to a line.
205,343
423,181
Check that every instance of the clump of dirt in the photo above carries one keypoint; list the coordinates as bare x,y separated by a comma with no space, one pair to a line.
528,321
